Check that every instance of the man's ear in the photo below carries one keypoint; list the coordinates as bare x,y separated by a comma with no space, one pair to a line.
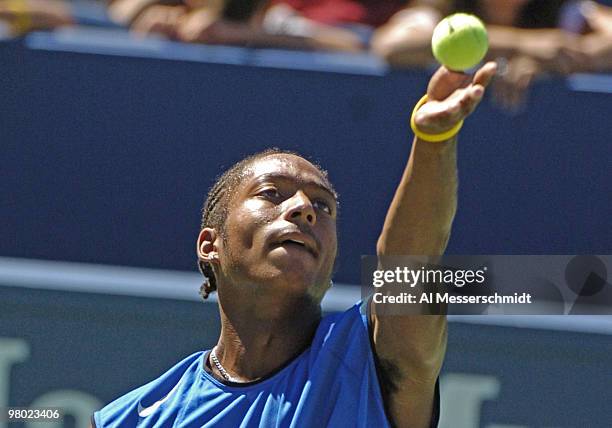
206,247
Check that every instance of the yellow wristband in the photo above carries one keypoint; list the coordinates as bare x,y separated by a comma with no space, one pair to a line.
23,19
433,138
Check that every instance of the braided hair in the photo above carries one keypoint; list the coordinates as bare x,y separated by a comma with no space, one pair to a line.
215,210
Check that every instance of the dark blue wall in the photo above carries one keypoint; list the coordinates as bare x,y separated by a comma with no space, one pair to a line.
108,149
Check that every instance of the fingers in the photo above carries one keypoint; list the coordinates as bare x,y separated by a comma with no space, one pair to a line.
197,26
598,17
440,116
444,82
485,74
453,96
572,59
469,101
158,19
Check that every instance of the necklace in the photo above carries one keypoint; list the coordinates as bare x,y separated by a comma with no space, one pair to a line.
217,363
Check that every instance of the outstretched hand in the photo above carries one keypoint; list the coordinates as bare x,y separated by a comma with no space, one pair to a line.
452,97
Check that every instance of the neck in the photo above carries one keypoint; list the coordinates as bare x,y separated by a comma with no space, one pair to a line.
258,338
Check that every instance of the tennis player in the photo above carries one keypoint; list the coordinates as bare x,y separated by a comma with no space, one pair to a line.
267,246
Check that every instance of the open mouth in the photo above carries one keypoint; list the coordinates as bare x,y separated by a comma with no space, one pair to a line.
296,243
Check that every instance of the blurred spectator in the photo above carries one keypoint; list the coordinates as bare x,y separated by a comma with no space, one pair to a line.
347,20
598,44
528,37
23,16
515,26
147,17
233,22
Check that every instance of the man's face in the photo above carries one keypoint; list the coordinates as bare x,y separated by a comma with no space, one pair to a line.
280,231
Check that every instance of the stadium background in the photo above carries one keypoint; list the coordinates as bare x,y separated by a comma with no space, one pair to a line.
108,145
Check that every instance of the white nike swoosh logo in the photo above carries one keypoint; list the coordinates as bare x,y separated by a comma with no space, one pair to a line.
146,411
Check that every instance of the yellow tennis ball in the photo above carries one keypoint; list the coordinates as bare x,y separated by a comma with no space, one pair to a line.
460,41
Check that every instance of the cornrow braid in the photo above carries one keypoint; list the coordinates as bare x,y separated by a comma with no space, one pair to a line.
216,206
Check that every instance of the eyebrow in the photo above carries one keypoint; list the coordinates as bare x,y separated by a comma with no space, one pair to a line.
320,185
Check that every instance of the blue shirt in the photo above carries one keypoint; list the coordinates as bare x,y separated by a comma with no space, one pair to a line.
331,384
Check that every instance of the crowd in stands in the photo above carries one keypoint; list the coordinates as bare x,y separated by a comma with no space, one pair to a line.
528,37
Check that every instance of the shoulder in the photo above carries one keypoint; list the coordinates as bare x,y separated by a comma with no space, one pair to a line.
342,326
126,410
345,335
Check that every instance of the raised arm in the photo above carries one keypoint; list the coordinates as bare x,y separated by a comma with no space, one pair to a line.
410,349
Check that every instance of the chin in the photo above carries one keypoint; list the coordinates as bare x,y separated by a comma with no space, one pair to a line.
298,281
294,262
292,282
296,272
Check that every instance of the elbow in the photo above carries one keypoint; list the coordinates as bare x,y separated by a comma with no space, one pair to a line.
401,55
406,40
381,247
381,47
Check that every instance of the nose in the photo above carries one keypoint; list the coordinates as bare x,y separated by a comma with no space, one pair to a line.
300,209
